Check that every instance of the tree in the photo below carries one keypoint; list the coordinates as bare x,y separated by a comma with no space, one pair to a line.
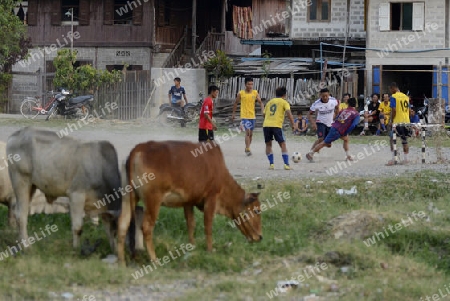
220,65
14,44
81,79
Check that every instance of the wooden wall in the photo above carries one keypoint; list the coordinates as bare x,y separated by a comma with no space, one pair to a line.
95,27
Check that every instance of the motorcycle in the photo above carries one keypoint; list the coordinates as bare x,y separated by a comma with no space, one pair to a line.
423,112
78,107
169,115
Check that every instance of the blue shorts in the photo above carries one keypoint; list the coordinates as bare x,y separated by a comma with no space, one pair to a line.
333,135
322,130
248,124
271,132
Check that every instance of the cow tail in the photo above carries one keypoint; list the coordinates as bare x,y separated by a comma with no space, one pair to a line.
132,227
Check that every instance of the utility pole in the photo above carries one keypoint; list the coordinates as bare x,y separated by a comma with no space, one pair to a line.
70,12
194,25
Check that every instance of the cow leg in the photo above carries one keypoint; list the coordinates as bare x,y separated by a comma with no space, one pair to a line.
148,224
110,230
209,211
139,215
77,201
122,229
23,191
190,221
11,215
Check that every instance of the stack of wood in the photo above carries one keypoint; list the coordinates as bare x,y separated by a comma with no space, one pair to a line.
223,110
300,91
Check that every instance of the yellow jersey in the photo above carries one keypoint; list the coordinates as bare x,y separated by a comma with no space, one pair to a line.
343,106
248,104
274,112
385,108
400,102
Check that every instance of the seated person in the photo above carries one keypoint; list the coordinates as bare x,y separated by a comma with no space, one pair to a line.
344,103
414,118
372,113
302,124
385,113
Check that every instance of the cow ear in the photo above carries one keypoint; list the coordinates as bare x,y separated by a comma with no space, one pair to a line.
250,198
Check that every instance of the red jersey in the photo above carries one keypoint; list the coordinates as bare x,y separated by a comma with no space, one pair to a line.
207,107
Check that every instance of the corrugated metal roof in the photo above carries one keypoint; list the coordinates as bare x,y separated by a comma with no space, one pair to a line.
276,66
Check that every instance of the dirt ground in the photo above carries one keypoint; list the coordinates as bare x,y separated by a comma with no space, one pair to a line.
370,153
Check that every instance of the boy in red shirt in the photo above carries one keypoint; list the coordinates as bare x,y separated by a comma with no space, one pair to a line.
206,126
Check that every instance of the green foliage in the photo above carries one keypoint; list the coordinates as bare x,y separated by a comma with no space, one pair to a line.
266,64
220,65
13,46
416,255
82,78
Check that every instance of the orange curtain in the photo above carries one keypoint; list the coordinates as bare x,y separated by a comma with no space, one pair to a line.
242,22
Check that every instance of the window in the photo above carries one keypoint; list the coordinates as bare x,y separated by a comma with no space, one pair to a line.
21,10
66,7
120,67
50,67
122,12
319,10
402,16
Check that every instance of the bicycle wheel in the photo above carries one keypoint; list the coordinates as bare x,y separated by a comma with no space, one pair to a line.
29,108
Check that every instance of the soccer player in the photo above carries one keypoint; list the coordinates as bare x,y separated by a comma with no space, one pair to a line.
327,107
273,114
273,125
247,98
206,126
399,115
345,122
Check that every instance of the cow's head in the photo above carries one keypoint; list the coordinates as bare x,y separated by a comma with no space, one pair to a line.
248,217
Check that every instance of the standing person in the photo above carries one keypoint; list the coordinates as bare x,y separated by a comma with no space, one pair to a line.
385,113
273,125
206,126
176,94
327,107
372,114
247,98
345,122
344,104
399,116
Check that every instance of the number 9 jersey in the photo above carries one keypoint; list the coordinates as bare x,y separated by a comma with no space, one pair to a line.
400,102
274,112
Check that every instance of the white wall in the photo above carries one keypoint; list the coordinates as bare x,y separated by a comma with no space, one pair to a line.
193,81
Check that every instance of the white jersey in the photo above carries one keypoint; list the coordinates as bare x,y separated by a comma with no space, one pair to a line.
326,110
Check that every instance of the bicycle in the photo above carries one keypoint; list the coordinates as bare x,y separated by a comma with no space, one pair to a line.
31,107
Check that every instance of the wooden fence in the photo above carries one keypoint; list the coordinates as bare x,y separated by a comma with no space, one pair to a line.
299,91
132,97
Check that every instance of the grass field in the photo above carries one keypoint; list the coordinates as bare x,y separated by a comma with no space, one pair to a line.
410,264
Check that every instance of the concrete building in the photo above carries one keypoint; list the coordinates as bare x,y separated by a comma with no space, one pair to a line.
405,31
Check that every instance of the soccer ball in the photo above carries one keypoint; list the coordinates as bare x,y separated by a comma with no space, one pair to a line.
296,157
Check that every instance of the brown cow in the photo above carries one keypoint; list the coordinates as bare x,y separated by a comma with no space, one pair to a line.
183,178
